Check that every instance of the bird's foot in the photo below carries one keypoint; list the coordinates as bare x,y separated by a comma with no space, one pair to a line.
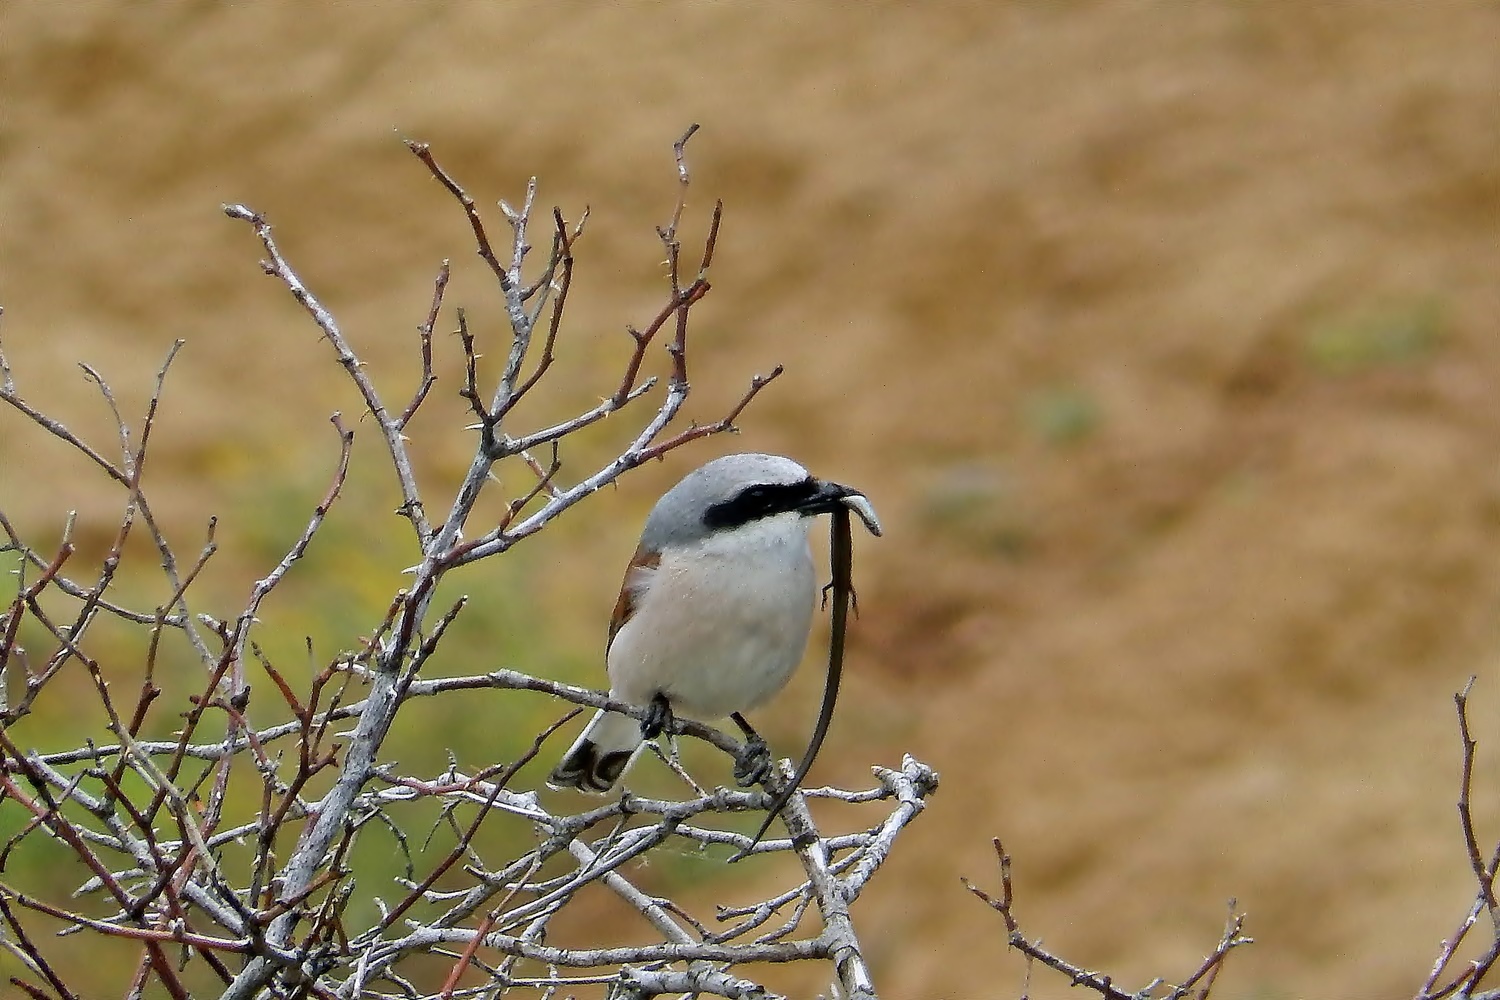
658,717
753,762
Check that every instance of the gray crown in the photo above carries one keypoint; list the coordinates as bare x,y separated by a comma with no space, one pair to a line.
677,517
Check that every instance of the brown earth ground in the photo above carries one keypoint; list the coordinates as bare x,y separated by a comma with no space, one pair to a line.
1163,335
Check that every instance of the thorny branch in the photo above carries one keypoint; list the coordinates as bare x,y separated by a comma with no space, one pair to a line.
1196,986
219,838
1466,982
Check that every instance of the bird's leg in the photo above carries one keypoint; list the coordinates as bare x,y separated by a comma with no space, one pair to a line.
753,762
658,717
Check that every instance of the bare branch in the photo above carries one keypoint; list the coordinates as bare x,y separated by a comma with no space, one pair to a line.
1474,972
481,238
277,267
1484,874
27,952
1099,982
424,332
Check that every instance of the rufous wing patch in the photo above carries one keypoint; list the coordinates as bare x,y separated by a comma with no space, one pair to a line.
637,580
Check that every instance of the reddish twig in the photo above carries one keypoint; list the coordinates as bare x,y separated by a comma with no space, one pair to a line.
1484,875
33,956
757,383
470,950
424,332
423,152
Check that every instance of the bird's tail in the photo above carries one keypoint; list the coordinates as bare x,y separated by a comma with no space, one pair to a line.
604,750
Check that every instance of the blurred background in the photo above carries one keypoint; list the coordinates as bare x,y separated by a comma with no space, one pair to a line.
1163,337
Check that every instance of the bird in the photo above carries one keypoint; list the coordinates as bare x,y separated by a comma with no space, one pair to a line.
714,611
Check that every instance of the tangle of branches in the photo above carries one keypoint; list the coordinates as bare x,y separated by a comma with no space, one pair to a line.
215,899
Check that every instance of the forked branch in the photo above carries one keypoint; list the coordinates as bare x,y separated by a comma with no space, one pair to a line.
1196,986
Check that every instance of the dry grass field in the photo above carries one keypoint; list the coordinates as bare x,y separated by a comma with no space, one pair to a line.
1164,337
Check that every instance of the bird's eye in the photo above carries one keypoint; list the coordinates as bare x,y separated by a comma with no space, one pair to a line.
749,504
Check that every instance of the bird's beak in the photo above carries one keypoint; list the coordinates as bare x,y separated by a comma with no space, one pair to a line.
831,496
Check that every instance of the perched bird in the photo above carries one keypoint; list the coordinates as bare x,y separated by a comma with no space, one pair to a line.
715,609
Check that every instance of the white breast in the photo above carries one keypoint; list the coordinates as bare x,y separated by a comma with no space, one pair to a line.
720,627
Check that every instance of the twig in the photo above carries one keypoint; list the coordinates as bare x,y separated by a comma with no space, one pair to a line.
390,428
1099,982
27,952
424,332
1474,972
1483,874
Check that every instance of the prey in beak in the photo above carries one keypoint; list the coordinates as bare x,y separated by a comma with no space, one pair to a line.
828,497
